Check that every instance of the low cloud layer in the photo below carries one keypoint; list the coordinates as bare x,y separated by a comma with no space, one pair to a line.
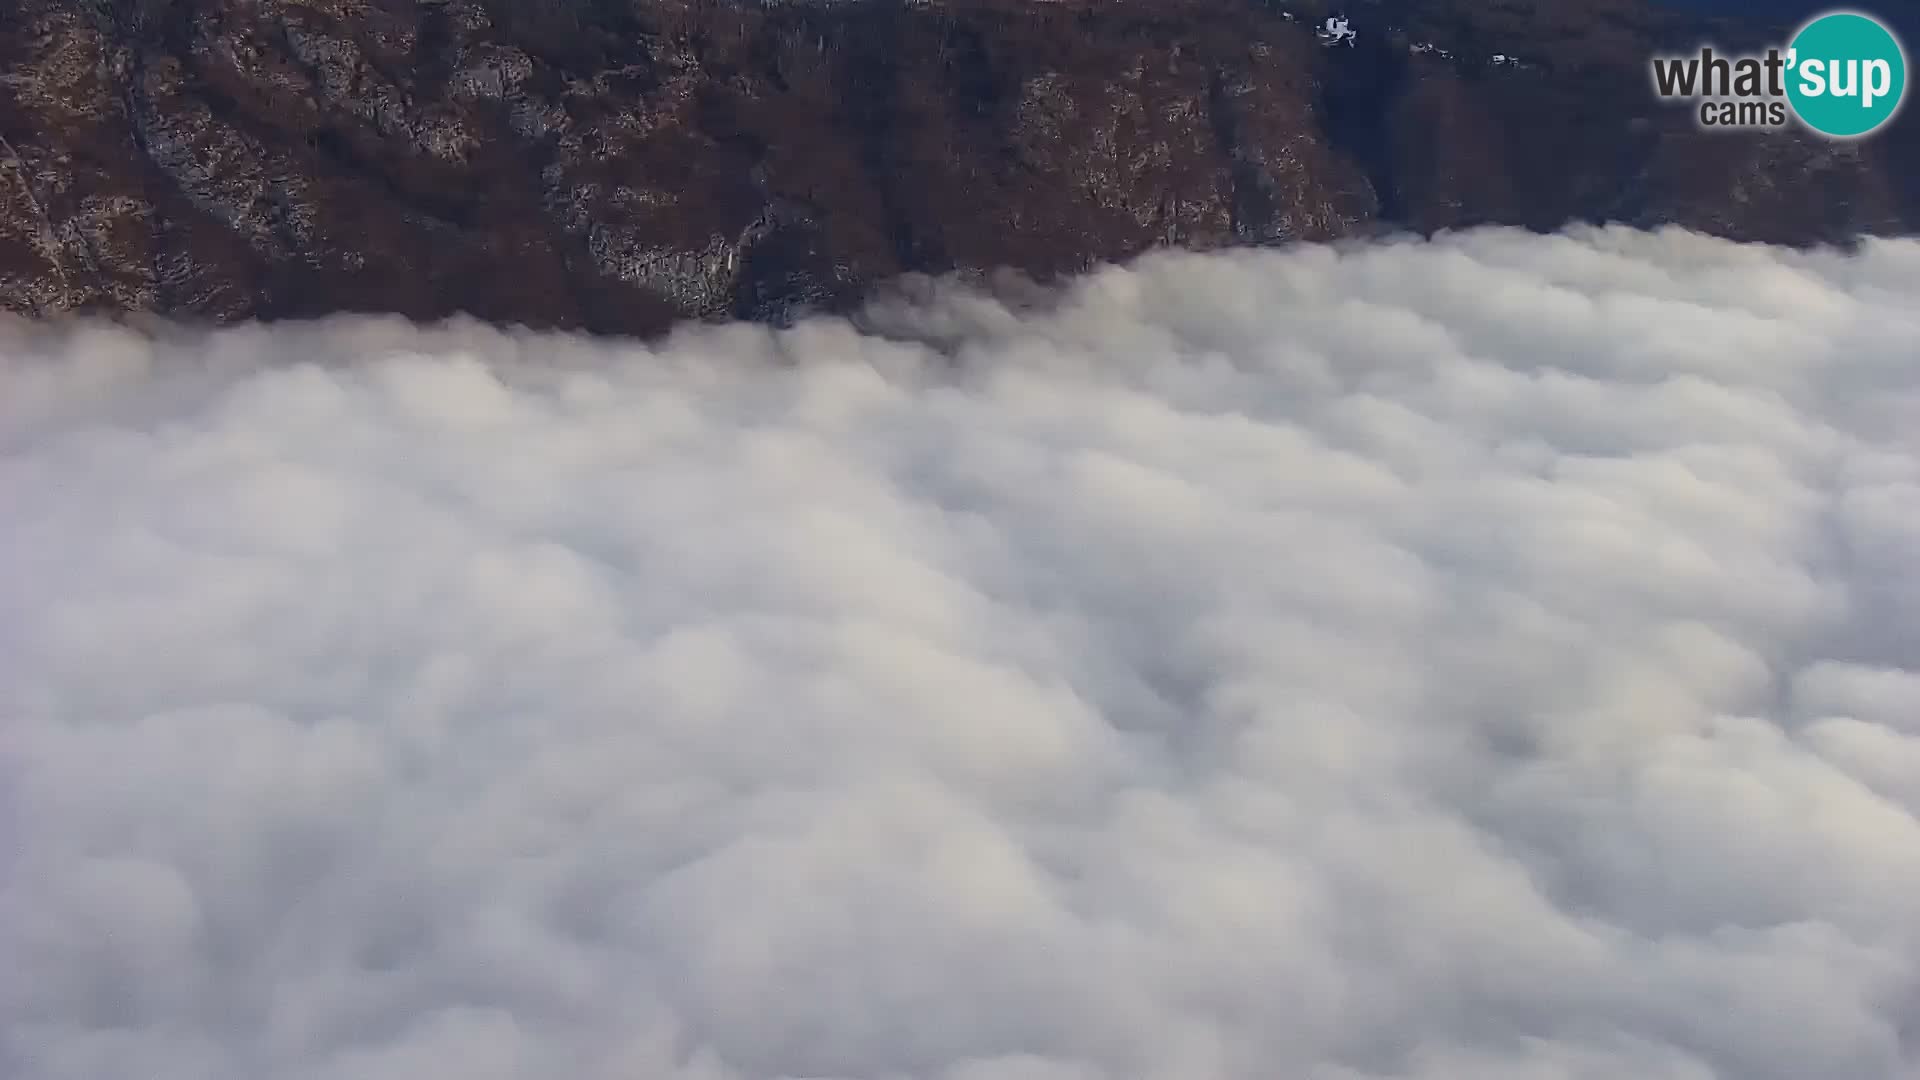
1493,658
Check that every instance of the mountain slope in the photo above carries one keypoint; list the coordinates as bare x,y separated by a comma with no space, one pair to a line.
620,164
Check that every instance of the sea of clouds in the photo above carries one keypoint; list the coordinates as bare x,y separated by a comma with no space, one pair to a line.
1495,658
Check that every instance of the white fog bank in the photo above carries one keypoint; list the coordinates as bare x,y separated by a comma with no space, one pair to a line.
1488,659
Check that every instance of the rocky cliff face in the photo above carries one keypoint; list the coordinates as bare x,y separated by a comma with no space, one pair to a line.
619,164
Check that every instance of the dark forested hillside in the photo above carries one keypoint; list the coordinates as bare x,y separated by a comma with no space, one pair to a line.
619,164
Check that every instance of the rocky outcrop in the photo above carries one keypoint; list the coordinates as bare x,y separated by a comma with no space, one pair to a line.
620,164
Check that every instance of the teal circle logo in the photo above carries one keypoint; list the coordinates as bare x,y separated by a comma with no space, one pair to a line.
1846,74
